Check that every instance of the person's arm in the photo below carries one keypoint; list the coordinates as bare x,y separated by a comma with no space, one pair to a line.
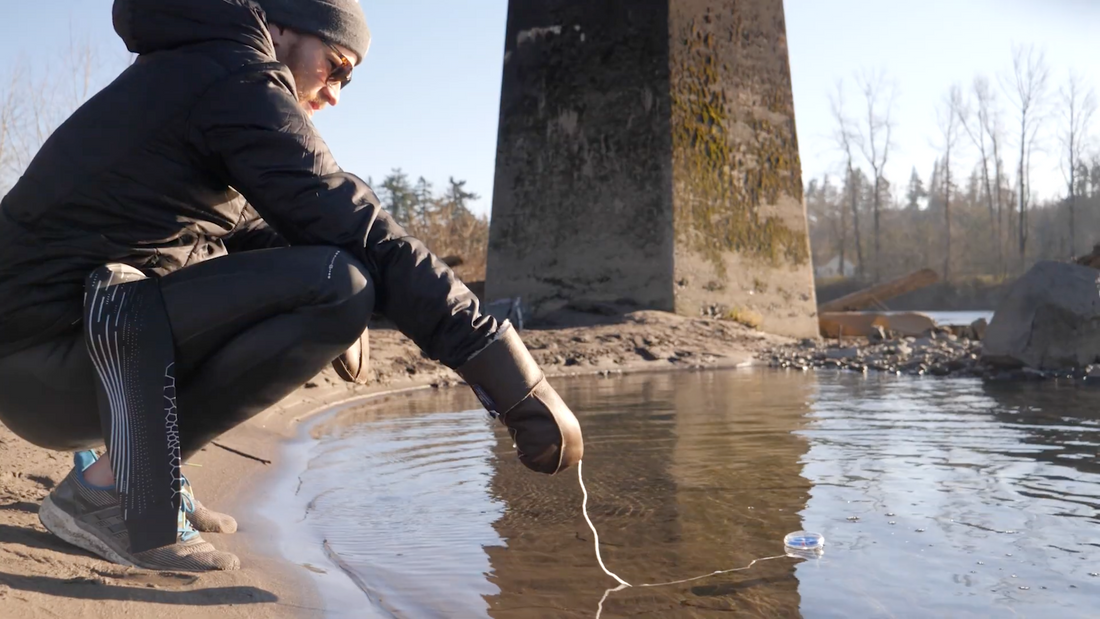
251,129
252,233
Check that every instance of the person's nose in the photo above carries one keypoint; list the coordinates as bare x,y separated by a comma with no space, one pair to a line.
331,94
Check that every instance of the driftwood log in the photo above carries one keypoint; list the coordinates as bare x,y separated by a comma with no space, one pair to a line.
877,294
863,324
1091,259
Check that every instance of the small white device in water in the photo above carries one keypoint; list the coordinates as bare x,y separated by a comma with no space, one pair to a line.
804,540
799,545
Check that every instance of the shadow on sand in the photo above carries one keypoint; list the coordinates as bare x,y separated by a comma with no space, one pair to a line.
96,589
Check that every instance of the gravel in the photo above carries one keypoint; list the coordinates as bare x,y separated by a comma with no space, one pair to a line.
936,352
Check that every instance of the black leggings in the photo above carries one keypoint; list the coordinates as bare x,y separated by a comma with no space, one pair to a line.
249,329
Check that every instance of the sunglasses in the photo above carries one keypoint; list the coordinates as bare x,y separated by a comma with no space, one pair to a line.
342,73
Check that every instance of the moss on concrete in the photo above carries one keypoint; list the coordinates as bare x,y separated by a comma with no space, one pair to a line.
730,158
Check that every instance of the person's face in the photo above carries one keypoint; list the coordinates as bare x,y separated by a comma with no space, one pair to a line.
320,69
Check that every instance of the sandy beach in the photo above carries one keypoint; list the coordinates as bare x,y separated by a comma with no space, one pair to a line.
42,576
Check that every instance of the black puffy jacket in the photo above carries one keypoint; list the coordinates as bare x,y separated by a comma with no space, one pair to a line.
172,162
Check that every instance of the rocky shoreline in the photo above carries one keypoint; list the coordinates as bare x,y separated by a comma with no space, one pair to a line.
943,351
1046,326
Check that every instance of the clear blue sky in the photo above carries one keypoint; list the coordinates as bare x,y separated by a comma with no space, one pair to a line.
426,99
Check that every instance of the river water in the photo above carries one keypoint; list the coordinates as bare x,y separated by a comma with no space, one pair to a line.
936,498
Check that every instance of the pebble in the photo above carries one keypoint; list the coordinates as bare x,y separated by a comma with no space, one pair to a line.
938,353
894,356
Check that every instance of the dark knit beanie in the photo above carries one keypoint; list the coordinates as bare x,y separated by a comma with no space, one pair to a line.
337,21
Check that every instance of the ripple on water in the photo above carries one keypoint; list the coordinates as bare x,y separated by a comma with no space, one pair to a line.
948,496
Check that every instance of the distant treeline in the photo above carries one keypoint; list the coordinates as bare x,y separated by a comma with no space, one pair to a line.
443,220
913,229
976,215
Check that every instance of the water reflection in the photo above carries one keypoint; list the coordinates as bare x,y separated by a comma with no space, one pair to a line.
685,476
937,498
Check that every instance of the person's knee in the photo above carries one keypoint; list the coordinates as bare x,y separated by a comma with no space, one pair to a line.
354,294
48,395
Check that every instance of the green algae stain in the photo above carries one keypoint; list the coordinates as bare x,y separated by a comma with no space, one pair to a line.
722,179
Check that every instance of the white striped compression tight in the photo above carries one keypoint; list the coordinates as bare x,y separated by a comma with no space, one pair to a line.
129,339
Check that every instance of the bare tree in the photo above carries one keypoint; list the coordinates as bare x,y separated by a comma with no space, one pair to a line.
1078,106
875,140
950,123
844,134
980,124
58,99
1027,88
83,58
31,109
840,228
12,121
994,129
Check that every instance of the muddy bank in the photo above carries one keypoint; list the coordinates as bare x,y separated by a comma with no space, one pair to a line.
41,576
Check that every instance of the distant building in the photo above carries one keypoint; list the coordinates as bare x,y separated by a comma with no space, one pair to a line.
832,268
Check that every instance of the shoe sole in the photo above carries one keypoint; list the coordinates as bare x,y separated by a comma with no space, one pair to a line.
67,528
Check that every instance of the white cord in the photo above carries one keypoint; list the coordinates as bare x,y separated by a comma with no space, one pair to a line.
584,508
623,583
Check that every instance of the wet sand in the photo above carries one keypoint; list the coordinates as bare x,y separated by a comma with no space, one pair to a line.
41,576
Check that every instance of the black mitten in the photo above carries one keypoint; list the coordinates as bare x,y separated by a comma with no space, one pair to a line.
509,383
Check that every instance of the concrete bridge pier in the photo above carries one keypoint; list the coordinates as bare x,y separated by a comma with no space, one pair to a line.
647,159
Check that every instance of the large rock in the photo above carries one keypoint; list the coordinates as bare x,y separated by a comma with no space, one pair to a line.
1049,319
977,329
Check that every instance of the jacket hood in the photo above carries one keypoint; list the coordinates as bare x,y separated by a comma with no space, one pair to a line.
154,25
